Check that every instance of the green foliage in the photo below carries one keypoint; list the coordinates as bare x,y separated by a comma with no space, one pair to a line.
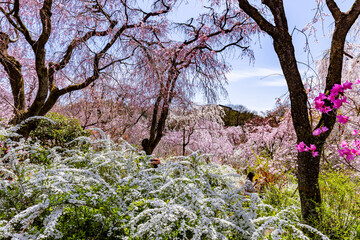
268,176
341,205
282,197
3,148
58,132
40,156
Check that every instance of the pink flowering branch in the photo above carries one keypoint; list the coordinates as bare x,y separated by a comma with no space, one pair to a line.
302,147
336,98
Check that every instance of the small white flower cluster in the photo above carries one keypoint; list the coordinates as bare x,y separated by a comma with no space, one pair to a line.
113,192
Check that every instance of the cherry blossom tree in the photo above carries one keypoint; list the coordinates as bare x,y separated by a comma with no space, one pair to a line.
271,140
64,46
183,123
277,29
175,70
114,107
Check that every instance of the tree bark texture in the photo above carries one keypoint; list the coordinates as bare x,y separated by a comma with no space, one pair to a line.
308,166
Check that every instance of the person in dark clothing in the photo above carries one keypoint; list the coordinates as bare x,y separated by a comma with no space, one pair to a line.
249,186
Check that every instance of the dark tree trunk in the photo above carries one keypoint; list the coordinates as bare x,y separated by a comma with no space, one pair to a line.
146,146
184,142
308,184
308,166
156,131
161,112
13,69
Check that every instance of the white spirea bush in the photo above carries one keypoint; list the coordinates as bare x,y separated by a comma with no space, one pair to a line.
110,191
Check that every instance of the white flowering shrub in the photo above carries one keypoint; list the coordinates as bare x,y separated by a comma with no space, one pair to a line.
110,191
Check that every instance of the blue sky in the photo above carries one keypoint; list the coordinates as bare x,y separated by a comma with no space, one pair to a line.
256,85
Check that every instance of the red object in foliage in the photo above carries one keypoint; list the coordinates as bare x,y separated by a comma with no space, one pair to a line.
155,162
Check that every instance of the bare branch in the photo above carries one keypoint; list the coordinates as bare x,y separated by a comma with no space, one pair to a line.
334,9
353,13
259,19
15,39
278,12
45,17
19,25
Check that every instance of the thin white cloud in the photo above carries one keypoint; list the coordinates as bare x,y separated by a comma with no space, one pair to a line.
237,75
265,76
275,82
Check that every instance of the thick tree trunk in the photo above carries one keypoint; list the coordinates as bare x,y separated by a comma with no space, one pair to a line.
308,167
308,184
146,146
13,69
161,112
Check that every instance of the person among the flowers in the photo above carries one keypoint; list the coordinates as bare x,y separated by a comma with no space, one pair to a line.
249,186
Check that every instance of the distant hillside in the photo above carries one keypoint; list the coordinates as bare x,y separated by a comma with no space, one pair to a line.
237,115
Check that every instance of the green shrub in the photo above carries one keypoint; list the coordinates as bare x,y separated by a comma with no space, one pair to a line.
283,197
341,205
58,132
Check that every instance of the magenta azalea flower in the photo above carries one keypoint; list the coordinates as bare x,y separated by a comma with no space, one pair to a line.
301,147
343,144
312,147
317,132
338,102
324,129
347,85
336,89
342,119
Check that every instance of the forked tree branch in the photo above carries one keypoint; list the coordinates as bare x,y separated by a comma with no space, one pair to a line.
259,19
